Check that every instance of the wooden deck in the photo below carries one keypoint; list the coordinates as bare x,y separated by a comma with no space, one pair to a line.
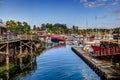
101,67
16,45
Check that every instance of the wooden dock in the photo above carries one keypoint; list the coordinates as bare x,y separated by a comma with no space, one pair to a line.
103,68
17,45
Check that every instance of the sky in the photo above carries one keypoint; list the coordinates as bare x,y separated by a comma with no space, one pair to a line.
82,13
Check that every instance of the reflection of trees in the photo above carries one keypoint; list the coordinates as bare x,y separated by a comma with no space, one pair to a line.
22,66
29,65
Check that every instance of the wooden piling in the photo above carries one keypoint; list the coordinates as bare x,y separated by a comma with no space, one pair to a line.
20,47
31,47
7,53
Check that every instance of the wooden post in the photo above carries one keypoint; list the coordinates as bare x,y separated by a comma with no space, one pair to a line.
31,47
31,44
15,49
7,73
31,37
0,38
26,36
35,49
20,47
21,63
7,53
34,46
14,46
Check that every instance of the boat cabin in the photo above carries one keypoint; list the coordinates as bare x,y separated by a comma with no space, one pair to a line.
106,48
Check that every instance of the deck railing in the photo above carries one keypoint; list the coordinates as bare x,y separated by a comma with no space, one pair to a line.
18,37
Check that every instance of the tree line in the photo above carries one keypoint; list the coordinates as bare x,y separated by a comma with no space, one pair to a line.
18,27
23,27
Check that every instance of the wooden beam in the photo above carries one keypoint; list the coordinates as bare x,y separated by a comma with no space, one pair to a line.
2,46
26,44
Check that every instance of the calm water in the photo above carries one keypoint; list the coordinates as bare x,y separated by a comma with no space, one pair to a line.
59,64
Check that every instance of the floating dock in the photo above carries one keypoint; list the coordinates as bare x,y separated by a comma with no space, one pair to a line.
103,68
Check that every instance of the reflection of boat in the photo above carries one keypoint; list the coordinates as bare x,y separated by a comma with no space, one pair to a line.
55,47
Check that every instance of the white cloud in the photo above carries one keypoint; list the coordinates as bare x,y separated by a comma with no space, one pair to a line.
83,1
118,18
104,0
89,4
93,4
116,2
99,3
117,13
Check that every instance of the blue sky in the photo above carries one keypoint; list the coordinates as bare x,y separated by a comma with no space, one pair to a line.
82,13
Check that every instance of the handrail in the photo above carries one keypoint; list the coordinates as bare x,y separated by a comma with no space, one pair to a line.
18,37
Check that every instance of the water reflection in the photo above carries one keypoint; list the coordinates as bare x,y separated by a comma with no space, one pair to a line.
59,63
26,64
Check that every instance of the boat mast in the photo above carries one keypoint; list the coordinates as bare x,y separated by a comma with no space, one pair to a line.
86,25
96,24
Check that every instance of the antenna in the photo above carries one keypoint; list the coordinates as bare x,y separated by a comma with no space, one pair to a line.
96,22
86,25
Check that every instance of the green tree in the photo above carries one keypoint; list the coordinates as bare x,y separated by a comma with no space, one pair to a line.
26,28
34,27
20,28
43,27
11,25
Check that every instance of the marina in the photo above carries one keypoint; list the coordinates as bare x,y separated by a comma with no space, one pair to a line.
59,40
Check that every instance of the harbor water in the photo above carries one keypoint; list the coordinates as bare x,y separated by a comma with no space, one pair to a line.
58,64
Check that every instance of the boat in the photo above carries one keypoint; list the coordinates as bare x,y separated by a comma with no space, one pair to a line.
54,40
106,48
57,39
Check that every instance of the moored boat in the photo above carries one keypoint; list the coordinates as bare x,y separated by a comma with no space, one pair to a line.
106,48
